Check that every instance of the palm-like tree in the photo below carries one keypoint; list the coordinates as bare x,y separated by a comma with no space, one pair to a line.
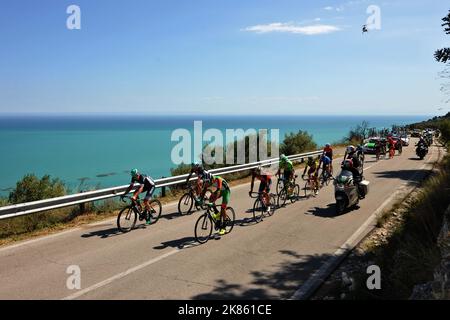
443,55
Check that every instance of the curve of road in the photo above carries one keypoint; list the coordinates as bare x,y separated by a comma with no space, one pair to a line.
283,257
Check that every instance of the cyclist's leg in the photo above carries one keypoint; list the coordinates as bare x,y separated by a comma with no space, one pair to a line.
286,178
213,199
148,197
198,187
205,187
226,194
261,192
137,193
225,200
267,191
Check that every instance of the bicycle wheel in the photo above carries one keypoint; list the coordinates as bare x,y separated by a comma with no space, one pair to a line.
273,205
126,220
282,197
295,193
203,228
307,189
279,186
185,204
258,210
229,220
155,211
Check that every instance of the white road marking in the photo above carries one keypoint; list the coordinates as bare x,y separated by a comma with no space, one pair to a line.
120,275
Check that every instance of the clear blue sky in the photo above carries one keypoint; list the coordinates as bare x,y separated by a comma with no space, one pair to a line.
227,56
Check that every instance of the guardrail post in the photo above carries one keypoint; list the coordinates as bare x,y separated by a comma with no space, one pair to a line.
163,190
82,206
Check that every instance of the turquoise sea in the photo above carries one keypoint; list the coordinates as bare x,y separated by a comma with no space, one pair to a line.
98,151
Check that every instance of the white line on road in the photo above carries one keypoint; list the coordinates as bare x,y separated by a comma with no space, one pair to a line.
120,275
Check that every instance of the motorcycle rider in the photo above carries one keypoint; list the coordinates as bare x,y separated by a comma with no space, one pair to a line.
357,177
353,155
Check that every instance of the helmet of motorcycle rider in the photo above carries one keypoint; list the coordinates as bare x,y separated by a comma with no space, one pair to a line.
347,165
350,149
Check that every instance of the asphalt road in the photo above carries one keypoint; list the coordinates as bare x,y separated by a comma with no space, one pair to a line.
268,260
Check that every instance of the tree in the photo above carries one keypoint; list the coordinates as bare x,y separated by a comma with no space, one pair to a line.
443,55
360,132
31,188
444,128
299,142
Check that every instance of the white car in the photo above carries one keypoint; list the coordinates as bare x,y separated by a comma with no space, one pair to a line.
405,141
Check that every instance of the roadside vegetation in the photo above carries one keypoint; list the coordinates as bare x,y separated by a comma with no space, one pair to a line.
405,242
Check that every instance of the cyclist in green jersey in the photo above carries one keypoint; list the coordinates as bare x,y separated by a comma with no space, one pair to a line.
222,190
287,167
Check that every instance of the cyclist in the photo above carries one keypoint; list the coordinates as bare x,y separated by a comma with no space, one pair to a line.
313,169
264,186
288,169
391,143
328,151
326,165
204,178
147,184
222,190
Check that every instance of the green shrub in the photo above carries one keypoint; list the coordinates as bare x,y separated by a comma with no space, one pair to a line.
299,142
31,188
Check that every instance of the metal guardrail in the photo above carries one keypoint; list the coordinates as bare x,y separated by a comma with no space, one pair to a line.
27,208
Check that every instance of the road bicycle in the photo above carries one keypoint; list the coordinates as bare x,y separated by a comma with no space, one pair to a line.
189,201
309,189
127,218
260,208
325,178
206,222
290,191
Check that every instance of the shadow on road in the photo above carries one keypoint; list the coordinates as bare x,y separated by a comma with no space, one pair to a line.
291,273
328,212
108,233
183,243
406,175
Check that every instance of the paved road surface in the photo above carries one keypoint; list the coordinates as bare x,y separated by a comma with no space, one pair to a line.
269,260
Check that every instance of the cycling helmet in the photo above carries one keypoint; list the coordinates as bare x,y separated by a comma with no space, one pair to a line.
283,158
310,159
348,164
134,173
258,169
328,145
350,149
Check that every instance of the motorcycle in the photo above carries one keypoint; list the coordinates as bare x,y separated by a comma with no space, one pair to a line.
421,151
346,191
